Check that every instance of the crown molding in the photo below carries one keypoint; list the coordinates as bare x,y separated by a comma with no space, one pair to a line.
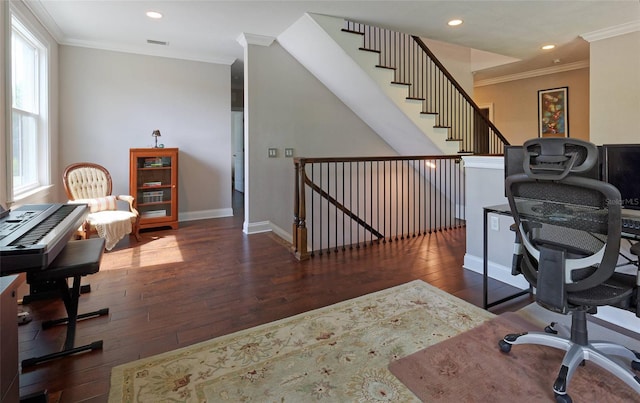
252,39
158,52
533,73
610,32
43,16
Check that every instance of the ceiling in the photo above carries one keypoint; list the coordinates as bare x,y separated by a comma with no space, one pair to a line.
208,30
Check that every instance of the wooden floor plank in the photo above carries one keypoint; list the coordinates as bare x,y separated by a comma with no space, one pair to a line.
207,279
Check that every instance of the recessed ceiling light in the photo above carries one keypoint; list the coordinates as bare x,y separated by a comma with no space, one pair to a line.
154,14
454,23
548,47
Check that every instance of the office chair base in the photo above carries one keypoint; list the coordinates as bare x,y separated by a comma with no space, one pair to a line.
604,354
563,398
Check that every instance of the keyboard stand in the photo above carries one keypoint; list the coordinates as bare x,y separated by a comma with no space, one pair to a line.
77,259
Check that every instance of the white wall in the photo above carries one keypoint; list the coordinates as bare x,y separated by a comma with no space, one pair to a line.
287,107
112,101
456,59
615,89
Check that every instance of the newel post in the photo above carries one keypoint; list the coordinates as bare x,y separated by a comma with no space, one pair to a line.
299,214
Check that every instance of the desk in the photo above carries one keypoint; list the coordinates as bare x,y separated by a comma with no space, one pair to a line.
503,209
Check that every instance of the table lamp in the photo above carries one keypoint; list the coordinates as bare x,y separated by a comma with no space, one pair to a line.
156,134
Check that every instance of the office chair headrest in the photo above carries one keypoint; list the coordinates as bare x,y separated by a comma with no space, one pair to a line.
554,158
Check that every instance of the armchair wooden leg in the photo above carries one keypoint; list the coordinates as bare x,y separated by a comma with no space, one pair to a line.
136,229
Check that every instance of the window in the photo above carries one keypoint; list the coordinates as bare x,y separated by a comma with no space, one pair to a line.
29,93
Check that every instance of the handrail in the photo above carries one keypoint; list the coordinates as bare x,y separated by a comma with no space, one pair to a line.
430,82
353,202
455,83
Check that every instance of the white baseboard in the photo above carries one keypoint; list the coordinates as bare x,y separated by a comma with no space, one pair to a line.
205,214
496,271
282,233
256,227
266,226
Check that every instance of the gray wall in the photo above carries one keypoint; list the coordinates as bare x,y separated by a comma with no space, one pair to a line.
112,101
288,107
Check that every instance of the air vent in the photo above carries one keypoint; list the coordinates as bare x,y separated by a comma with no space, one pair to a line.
154,42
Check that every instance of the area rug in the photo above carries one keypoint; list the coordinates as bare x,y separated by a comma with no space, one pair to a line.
470,368
339,353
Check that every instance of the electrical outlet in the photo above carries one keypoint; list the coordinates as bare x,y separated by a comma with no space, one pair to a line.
495,223
288,152
273,152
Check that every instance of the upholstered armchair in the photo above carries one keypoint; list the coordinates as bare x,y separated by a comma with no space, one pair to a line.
89,183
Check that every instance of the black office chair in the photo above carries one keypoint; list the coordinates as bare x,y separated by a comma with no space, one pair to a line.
569,227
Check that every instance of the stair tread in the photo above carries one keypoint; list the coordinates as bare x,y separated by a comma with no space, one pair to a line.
450,127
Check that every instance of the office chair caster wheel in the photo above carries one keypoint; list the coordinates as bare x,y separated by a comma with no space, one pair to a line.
504,346
563,398
635,365
550,329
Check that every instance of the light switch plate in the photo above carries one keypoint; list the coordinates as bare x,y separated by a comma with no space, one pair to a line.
273,152
288,152
495,223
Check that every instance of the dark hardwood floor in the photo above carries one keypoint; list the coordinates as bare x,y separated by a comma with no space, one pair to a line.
207,279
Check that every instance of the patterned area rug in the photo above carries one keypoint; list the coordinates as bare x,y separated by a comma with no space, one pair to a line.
337,353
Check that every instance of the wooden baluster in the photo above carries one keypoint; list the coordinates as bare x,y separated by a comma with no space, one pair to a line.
300,229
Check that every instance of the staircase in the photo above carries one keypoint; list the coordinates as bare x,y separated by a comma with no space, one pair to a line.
416,114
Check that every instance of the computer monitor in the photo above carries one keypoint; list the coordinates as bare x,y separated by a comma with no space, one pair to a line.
621,168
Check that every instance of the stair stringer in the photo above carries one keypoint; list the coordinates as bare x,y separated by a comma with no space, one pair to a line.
311,41
397,92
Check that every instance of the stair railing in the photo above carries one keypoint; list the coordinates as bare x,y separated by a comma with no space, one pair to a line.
347,203
430,82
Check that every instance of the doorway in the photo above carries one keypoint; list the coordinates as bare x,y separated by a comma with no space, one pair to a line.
237,170
481,138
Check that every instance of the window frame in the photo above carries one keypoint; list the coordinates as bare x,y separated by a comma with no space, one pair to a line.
22,26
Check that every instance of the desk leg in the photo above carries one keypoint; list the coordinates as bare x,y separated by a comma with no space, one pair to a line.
485,270
485,264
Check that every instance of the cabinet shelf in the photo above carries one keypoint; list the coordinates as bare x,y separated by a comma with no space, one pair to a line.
154,203
155,188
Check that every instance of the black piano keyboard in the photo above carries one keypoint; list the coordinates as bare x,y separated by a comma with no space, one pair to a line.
41,230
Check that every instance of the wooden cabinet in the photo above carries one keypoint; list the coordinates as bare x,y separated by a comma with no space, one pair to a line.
153,181
9,377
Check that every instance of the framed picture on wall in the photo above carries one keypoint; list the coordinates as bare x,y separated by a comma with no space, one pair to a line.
553,112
